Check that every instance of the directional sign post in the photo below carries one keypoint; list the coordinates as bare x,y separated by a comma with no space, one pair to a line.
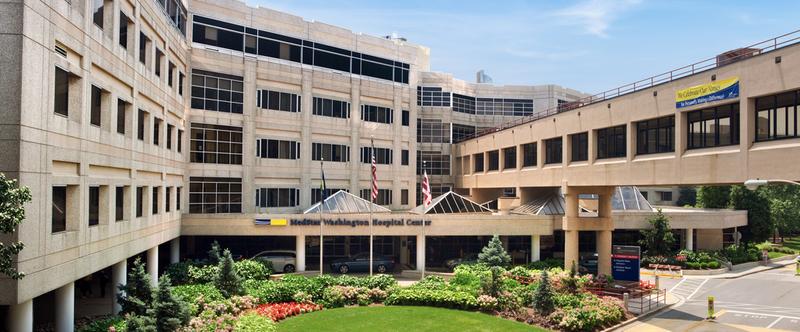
625,262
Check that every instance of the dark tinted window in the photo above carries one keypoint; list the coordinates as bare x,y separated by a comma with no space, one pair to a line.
553,151
59,221
580,147
611,142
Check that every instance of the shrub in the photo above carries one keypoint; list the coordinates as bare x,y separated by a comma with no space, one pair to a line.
432,283
136,296
179,272
104,325
280,311
302,297
140,323
269,291
487,303
215,254
202,274
377,295
592,313
254,322
493,254
491,284
546,264
228,281
713,265
194,292
543,297
169,311
249,269
339,296
433,298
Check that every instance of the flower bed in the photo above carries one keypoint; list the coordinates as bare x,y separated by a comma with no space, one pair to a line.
280,311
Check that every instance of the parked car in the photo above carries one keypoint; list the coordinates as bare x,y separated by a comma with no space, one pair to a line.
588,264
467,259
282,260
360,263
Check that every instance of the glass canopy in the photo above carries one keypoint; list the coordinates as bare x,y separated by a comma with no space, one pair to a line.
345,202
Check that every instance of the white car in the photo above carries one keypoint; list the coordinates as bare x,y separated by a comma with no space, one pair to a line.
282,260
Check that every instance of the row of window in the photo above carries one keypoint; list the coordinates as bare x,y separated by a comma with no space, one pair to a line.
434,96
278,101
432,131
433,162
248,40
215,144
65,198
277,149
217,92
776,116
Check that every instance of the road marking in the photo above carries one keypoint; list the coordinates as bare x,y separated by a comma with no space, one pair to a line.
775,322
697,289
676,285
762,314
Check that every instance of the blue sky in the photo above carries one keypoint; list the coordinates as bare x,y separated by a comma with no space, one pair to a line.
589,45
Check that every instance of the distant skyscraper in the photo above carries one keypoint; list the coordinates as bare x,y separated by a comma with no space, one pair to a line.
481,77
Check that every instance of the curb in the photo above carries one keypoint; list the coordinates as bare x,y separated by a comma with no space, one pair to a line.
778,265
637,318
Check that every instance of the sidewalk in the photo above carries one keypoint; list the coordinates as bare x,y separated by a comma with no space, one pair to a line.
789,260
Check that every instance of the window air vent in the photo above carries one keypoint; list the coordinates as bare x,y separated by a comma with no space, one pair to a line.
61,51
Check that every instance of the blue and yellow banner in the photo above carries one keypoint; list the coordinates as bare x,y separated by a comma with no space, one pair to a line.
719,90
270,222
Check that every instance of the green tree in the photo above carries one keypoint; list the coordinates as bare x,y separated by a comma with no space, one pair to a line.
658,240
784,206
713,197
759,223
228,281
136,296
687,196
214,254
169,312
140,323
12,213
493,254
543,301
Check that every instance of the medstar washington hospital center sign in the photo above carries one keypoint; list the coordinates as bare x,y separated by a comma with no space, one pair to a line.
625,262
393,222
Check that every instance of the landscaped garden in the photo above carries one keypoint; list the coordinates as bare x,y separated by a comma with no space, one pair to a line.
219,294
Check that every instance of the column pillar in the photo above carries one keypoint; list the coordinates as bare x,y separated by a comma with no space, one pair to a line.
65,308
152,265
690,238
571,252
119,276
20,317
535,248
420,252
603,252
300,253
175,250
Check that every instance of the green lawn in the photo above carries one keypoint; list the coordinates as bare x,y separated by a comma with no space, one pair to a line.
792,243
400,318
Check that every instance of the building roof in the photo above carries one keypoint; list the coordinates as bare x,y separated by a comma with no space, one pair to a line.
626,198
451,202
345,202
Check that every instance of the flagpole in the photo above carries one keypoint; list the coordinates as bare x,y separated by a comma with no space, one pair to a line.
321,204
372,201
424,243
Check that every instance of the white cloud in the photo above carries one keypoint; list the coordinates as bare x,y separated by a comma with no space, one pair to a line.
595,16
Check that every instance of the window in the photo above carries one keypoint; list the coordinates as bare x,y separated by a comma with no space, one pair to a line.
611,142
552,151
432,131
61,105
215,144
155,199
144,44
580,146
665,195
215,195
180,141
277,149
510,158
97,101
159,56
436,191
97,12
315,193
157,131
436,163
278,101
462,132
181,78
494,160
170,128
139,201
140,125
378,114
478,162
644,194
59,221
175,12
504,106
655,135
332,108
170,70
716,126
330,152
432,96
384,196
178,198
217,92
168,197
124,21
94,206
404,157
119,206
277,197
122,110
403,196
383,156
406,118
463,104
529,155
776,116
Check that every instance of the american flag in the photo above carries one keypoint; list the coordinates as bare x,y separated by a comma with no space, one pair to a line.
426,190
374,195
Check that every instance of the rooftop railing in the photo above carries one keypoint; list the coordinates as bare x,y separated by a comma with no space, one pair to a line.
697,67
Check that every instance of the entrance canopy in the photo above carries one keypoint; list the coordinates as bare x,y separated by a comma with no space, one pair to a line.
627,198
345,202
451,202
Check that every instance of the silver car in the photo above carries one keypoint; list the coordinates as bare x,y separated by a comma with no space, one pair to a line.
282,260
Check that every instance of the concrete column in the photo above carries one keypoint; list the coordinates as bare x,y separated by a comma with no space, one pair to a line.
535,248
420,252
690,238
65,308
603,243
20,317
152,265
571,251
175,250
300,253
119,276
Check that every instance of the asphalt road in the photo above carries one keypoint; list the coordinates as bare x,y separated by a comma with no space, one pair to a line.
761,301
